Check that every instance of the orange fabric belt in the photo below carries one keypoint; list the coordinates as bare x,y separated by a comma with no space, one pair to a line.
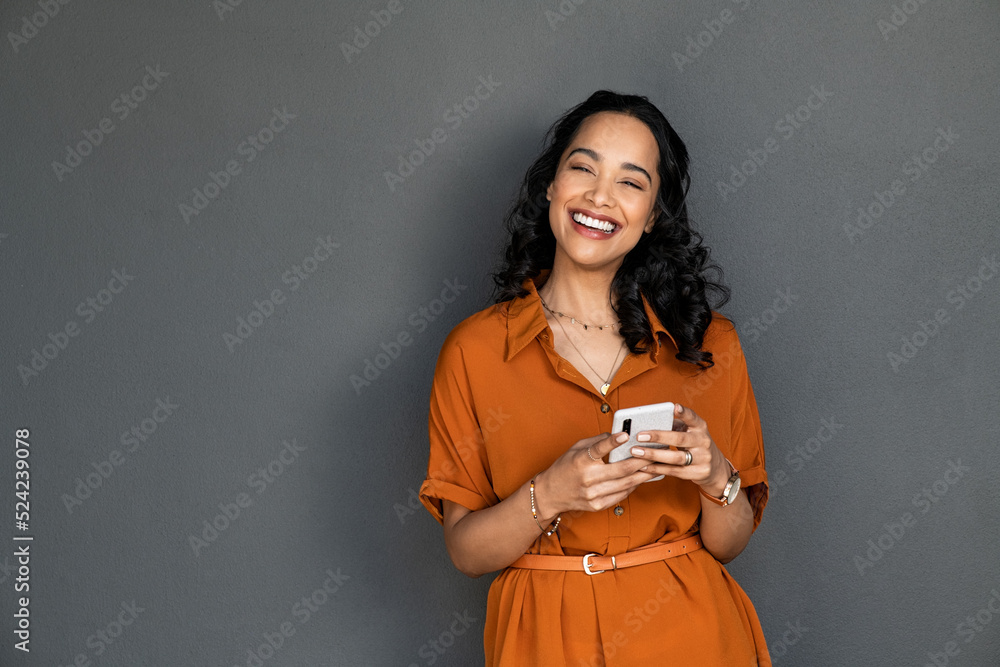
595,564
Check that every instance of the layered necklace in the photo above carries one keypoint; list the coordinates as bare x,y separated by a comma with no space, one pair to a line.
586,327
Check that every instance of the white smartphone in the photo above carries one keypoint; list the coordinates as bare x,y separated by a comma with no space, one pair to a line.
652,417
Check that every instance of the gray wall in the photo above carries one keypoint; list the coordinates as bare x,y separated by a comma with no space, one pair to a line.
880,543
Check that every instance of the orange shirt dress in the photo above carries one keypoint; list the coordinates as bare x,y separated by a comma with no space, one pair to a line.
504,406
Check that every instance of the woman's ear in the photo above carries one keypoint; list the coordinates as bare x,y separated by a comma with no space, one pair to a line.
652,221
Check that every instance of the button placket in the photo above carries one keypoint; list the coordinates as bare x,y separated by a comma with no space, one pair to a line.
618,521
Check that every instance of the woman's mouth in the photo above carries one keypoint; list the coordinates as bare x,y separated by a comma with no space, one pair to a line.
590,224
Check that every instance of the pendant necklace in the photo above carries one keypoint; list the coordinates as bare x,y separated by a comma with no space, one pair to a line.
619,510
607,382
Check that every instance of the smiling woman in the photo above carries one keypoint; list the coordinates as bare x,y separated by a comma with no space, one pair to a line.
602,304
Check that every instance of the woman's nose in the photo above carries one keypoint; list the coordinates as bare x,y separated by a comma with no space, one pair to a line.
601,192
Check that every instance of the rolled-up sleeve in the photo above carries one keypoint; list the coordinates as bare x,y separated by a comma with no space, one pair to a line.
458,466
747,441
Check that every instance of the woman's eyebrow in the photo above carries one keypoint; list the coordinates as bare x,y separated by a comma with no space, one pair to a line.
625,165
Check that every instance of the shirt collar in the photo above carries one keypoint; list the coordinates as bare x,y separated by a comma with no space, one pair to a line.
526,319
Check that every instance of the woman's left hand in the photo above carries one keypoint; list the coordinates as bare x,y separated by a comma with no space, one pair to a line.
708,468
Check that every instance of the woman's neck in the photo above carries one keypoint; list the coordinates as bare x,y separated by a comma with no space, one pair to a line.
585,295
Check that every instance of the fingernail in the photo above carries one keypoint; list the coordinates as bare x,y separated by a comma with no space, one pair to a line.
636,451
680,408
642,437
622,438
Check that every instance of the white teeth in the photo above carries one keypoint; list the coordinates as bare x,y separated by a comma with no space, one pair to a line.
587,221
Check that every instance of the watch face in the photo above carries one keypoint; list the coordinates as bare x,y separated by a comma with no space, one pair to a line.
734,491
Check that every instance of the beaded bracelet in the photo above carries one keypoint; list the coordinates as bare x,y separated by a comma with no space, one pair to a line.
534,513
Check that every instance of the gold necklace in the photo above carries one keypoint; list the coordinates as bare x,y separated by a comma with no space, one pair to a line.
573,320
607,382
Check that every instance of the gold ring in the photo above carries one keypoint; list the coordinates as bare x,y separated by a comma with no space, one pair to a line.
591,455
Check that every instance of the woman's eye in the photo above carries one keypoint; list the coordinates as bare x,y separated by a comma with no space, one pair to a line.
588,171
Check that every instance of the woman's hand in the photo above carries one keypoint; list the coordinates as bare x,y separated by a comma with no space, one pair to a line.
725,531
579,480
708,468
492,538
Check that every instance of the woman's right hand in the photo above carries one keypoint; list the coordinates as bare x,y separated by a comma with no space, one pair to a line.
576,481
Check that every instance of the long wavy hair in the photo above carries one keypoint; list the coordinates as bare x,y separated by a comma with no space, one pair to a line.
669,265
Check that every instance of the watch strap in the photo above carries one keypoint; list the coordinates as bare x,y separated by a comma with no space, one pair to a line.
724,500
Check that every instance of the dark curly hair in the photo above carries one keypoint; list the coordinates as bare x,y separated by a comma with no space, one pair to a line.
669,265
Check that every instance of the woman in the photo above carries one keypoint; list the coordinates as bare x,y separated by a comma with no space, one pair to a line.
602,305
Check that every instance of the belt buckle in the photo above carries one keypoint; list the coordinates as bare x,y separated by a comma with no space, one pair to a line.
586,565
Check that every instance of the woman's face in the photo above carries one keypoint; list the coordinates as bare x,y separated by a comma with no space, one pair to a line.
607,174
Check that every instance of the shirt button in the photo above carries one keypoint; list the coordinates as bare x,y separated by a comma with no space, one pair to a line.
605,408
619,510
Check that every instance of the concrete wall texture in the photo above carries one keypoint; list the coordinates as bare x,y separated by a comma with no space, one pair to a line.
215,215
